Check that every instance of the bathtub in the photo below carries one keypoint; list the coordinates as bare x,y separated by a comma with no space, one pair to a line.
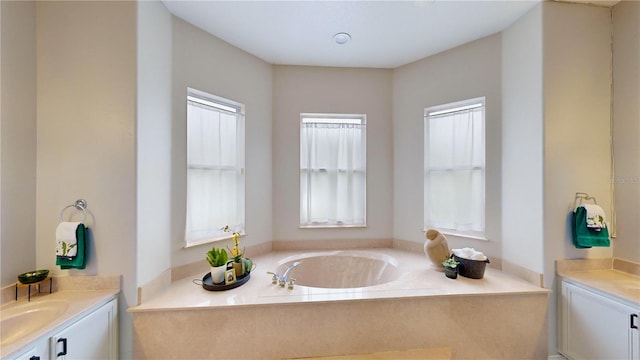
345,302
341,269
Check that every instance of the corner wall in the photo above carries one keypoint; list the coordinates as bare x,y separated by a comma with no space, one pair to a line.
626,131
153,141
204,62
18,139
86,133
577,100
465,72
522,143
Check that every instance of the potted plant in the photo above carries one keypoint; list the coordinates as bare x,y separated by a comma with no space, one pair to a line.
451,268
241,264
217,259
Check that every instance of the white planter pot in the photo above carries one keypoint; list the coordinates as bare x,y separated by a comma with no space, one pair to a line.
217,274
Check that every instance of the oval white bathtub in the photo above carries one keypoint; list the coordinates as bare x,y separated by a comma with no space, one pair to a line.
341,269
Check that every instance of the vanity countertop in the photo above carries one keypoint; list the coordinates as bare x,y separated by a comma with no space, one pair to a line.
80,303
608,281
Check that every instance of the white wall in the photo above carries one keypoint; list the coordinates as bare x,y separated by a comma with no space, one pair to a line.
18,139
86,104
469,71
299,89
87,130
577,98
626,131
153,141
522,142
206,63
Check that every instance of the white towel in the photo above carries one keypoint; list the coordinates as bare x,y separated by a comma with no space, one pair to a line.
469,253
595,217
66,241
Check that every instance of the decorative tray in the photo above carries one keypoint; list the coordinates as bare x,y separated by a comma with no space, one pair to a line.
208,284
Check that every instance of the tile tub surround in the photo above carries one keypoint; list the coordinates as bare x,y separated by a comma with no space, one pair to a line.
422,309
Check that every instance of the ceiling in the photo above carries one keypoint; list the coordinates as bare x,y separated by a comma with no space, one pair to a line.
384,34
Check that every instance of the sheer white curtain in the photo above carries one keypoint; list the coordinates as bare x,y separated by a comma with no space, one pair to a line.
332,173
215,175
454,171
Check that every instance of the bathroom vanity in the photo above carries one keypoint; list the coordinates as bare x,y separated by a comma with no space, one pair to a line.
599,315
63,325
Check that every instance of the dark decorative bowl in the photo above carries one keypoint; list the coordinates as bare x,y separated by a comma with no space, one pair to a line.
472,269
33,276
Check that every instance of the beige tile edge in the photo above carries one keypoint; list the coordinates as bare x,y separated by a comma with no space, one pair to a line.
154,286
525,274
8,293
164,279
200,266
331,244
93,282
565,265
181,272
627,266
259,249
417,247
61,283
409,246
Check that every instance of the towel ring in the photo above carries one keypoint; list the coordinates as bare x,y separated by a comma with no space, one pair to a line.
80,205
583,196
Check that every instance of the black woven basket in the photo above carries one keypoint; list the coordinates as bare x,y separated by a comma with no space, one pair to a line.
473,269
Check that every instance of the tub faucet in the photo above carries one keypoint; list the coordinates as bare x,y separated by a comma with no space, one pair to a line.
285,276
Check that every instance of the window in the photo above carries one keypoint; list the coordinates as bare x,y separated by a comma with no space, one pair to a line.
215,167
332,170
454,163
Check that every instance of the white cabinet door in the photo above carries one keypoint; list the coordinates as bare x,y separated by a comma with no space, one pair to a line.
596,327
38,351
92,337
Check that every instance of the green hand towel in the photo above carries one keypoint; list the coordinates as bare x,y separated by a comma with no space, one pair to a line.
78,262
583,237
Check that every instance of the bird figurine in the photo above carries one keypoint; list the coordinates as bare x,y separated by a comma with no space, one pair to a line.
436,248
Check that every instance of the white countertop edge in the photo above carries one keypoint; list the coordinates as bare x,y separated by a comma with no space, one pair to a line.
293,301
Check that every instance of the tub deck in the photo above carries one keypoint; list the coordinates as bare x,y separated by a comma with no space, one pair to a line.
497,317
417,279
